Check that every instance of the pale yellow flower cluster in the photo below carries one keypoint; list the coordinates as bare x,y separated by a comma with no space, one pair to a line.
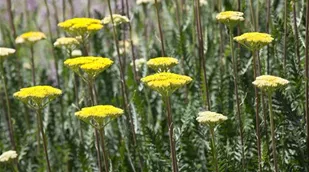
230,18
254,40
162,63
269,82
8,155
5,52
67,42
81,26
30,37
117,18
90,65
37,95
99,114
208,117
165,82
139,2
139,63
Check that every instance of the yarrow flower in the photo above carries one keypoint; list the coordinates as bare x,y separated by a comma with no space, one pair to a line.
210,118
37,96
165,82
97,115
162,63
117,18
90,65
5,52
67,42
139,63
81,26
8,155
269,82
230,18
254,40
30,37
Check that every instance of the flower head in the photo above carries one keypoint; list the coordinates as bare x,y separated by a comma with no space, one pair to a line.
230,18
81,26
90,65
165,82
8,155
139,2
30,37
162,63
5,52
76,53
254,40
210,118
96,115
67,42
139,63
37,96
117,18
269,82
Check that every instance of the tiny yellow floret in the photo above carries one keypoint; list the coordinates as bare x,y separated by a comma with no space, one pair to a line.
162,63
30,37
254,40
210,118
165,82
230,17
269,82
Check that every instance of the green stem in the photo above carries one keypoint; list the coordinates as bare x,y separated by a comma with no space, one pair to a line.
272,127
105,156
32,65
214,150
39,116
160,29
97,138
8,106
171,134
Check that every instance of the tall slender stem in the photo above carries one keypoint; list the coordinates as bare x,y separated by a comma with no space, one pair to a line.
272,129
214,149
234,61
97,138
8,106
123,81
296,33
253,19
105,156
306,78
160,28
32,65
171,134
39,116
285,33
201,54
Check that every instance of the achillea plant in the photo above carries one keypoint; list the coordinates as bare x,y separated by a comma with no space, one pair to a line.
37,98
98,117
30,38
230,18
166,83
8,158
68,43
4,53
212,119
118,19
270,84
162,64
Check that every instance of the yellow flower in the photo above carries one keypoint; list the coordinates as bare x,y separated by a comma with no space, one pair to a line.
118,19
230,17
269,82
165,82
8,155
90,65
96,115
162,63
208,117
37,96
81,26
30,37
66,42
5,52
254,40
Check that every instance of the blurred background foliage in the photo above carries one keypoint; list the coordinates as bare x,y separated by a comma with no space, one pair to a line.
71,142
